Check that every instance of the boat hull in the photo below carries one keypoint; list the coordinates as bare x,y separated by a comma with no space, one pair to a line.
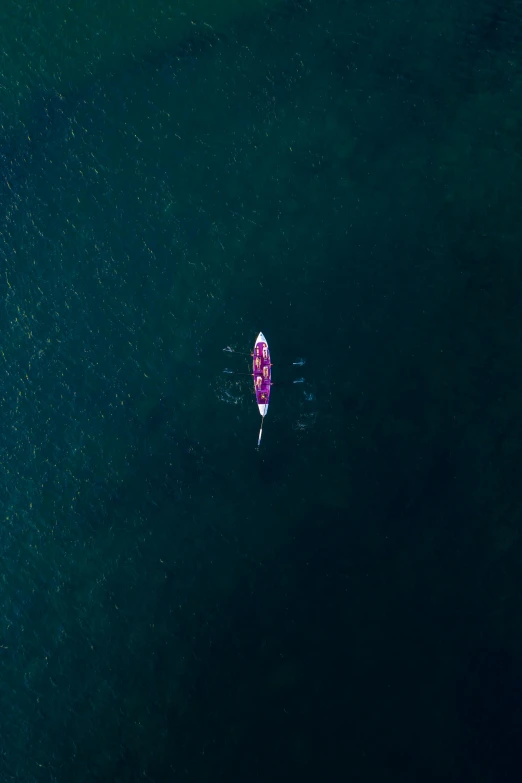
262,370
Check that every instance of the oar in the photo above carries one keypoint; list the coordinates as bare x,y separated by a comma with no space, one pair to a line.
260,432
297,363
228,349
261,428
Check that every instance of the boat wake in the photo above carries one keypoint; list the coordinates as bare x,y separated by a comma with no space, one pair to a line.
225,395
305,421
307,416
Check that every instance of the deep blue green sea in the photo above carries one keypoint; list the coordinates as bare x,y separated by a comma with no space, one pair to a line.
345,603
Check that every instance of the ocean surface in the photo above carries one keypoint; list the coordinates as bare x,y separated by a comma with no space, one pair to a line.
344,603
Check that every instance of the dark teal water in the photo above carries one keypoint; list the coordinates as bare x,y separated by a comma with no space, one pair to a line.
344,603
